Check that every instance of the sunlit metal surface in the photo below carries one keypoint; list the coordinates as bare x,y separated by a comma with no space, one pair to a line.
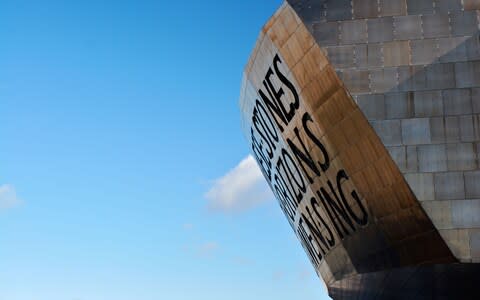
364,118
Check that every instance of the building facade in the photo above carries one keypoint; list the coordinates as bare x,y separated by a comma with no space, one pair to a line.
364,117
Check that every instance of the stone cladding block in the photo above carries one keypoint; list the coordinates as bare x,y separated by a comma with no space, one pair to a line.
452,49
339,10
452,129
393,8
435,26
471,184
437,130
464,23
472,45
466,213
353,32
327,33
423,51
392,53
373,106
432,158
416,7
428,104
476,100
471,4
457,102
467,74
475,244
445,6
462,157
389,131
383,80
416,131
368,55
357,81
412,159
341,56
380,30
411,78
440,76
440,212
449,185
459,242
364,9
422,185
407,27
398,105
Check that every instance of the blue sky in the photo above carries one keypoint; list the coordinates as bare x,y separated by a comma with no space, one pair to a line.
120,146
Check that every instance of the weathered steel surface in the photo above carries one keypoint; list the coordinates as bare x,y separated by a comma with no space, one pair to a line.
365,118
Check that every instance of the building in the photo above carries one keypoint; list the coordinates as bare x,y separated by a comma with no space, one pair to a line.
364,117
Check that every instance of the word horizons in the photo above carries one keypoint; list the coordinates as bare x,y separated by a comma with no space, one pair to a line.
291,169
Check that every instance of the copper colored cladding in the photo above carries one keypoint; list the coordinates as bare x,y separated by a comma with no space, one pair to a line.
351,142
398,240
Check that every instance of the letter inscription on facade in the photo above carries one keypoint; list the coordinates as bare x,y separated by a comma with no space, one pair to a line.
343,194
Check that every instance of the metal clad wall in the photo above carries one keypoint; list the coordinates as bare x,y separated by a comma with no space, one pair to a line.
345,196
412,67
364,118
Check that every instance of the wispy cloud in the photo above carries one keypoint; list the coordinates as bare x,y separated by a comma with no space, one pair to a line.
188,226
305,273
8,197
208,249
243,261
242,188
278,275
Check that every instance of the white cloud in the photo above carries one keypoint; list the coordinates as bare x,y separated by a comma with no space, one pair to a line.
305,273
243,261
188,226
242,188
8,197
278,275
208,249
